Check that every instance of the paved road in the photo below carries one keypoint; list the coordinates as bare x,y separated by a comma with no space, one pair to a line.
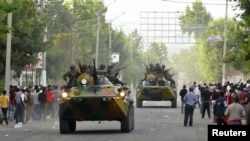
159,123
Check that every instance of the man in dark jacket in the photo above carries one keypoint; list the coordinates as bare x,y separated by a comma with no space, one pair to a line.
43,102
182,93
205,96
219,109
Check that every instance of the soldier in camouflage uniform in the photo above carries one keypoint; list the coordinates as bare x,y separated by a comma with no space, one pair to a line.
112,75
71,76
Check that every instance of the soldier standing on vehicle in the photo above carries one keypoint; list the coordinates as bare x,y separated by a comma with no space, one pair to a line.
112,75
71,76
84,68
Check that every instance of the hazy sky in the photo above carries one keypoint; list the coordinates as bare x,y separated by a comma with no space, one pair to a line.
132,9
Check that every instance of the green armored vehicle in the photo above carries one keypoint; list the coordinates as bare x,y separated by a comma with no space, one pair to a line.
158,85
95,98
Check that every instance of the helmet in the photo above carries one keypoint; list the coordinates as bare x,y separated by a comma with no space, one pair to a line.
73,67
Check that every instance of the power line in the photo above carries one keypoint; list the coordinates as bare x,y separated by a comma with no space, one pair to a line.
186,2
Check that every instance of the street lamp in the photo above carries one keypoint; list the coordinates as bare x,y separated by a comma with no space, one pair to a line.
98,33
224,46
8,53
131,50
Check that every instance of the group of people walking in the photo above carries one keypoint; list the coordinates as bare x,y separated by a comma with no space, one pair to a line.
26,104
229,103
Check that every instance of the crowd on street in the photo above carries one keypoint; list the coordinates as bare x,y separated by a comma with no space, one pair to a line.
227,104
24,105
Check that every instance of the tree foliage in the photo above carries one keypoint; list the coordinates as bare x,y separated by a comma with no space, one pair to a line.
244,7
195,19
27,27
242,53
206,58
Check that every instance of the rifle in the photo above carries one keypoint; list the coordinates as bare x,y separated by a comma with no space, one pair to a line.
238,82
146,66
80,65
167,70
171,75
117,70
121,68
235,85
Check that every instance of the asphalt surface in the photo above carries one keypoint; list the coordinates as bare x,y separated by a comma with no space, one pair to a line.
155,121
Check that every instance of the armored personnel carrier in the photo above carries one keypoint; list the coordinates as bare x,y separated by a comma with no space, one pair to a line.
158,85
95,98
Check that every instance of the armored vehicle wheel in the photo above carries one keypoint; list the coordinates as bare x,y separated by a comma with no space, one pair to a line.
138,103
127,124
64,126
174,103
72,125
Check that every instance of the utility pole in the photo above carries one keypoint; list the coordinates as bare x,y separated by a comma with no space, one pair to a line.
8,53
110,37
43,73
73,47
97,38
131,50
224,47
110,43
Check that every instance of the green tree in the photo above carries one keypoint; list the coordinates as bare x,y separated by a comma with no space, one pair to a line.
59,34
244,6
242,53
5,8
133,58
74,24
195,19
206,59
26,30
28,25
